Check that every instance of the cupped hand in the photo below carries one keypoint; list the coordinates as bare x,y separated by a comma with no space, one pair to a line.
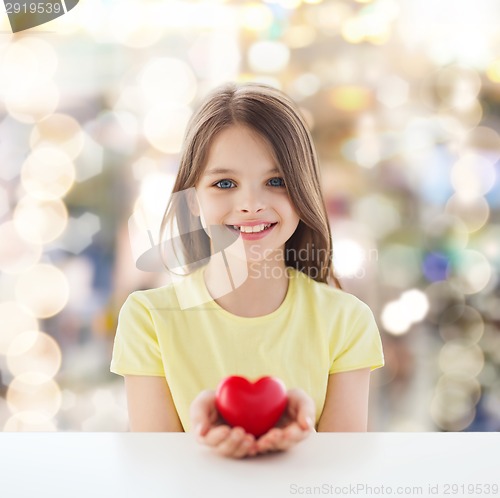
211,429
295,424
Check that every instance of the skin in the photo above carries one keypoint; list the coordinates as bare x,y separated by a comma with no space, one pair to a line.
250,192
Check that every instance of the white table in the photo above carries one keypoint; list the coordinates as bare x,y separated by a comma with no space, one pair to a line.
123,465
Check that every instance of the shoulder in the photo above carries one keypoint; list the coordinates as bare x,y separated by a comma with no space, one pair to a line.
151,299
327,297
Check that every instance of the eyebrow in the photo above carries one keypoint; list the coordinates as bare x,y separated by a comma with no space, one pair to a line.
225,171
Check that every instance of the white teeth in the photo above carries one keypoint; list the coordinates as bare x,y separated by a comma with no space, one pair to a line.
255,228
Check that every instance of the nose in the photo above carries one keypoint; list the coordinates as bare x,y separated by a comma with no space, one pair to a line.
251,200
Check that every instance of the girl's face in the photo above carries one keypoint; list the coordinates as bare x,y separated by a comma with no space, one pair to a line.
241,186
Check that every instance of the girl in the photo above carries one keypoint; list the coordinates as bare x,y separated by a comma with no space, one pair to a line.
259,297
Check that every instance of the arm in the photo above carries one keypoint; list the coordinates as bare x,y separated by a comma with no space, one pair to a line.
346,405
150,405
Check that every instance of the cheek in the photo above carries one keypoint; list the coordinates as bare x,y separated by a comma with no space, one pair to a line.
212,208
291,213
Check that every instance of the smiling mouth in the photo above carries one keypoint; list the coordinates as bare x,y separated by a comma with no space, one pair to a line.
254,229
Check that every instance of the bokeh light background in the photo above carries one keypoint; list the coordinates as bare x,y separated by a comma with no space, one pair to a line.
403,99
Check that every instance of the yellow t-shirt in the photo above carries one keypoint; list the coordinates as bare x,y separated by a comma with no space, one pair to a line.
316,331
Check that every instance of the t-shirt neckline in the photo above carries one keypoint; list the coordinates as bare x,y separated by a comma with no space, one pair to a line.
278,311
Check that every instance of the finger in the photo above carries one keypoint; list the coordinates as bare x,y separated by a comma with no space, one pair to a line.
245,447
270,441
216,435
229,445
293,433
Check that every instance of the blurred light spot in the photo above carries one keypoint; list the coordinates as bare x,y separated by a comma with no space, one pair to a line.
134,24
473,212
80,273
34,392
255,16
488,375
164,128
458,87
4,202
79,233
68,399
459,123
435,266
392,91
40,222
452,410
43,289
451,87
431,175
268,56
472,176
461,322
485,142
15,320
29,421
28,58
395,319
328,17
352,30
16,253
372,23
305,85
47,173
419,139
461,358
90,162
350,98
265,79
166,82
378,213
115,130
144,166
487,241
442,295
411,307
299,36
493,71
462,385
446,232
34,352
417,304
61,131
399,265
216,56
473,272
366,149
349,258
289,4
156,189
30,101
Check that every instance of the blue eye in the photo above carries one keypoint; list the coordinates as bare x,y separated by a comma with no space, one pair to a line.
280,183
223,182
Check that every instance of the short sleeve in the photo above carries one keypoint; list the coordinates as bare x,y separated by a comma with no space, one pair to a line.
136,350
362,346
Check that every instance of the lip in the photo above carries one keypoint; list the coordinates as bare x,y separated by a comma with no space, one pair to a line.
252,223
257,235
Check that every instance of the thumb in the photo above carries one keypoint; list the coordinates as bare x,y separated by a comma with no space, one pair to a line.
201,411
306,412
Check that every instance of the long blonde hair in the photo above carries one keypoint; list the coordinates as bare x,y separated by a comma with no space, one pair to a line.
271,114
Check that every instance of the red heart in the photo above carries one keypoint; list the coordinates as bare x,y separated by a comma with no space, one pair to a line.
255,407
